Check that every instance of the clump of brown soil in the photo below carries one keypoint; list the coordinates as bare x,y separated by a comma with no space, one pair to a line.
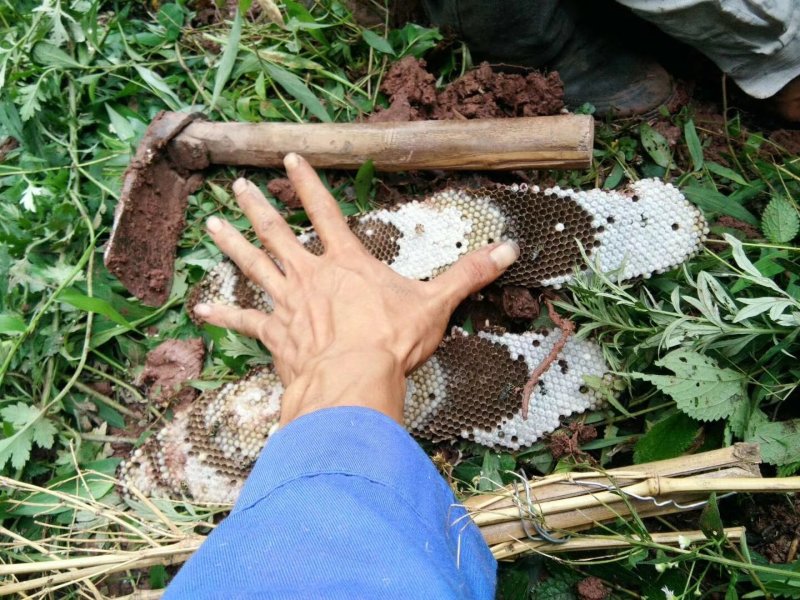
411,91
168,367
483,93
592,588
787,139
284,191
519,303
775,521
747,229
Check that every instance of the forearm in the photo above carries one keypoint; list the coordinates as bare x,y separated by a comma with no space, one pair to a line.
369,379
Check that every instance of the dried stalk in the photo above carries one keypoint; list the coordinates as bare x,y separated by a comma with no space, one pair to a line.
513,549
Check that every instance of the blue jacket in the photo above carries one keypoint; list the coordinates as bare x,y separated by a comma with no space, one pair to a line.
342,503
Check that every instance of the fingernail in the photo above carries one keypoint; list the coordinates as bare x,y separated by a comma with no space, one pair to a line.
291,160
213,224
505,254
202,310
239,186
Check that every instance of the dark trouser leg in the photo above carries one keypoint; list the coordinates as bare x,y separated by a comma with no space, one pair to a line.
521,32
562,35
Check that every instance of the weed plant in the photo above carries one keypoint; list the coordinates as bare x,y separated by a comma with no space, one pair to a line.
706,355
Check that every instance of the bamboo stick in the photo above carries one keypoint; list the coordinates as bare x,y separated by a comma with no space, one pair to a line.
582,512
513,549
742,455
70,577
655,486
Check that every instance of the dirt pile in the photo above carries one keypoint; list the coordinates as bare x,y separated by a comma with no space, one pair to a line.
592,588
282,189
775,525
483,93
168,367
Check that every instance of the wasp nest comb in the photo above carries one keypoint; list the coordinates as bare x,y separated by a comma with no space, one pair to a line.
470,388
648,228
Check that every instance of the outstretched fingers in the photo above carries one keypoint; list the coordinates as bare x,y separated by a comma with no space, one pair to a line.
474,271
256,265
322,210
269,225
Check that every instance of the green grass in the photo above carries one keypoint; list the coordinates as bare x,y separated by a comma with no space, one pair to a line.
80,82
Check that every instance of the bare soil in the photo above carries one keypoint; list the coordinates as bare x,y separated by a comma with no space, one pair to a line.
773,524
592,588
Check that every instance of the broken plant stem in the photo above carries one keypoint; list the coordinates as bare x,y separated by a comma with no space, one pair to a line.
110,402
567,329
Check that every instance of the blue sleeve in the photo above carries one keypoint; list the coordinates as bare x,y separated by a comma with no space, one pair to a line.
342,503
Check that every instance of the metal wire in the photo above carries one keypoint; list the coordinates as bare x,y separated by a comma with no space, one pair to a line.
538,526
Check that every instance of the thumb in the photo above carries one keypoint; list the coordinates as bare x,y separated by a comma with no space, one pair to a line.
475,271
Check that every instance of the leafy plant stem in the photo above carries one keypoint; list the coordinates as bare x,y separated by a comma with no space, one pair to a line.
725,117
34,322
113,379
105,400
199,88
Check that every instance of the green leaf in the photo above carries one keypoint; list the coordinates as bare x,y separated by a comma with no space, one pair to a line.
228,58
29,425
711,521
158,577
779,441
95,305
693,143
11,324
299,90
121,125
235,346
713,201
363,184
490,472
656,145
725,172
90,486
699,387
614,177
377,42
170,16
756,306
29,101
159,87
780,222
668,438
52,56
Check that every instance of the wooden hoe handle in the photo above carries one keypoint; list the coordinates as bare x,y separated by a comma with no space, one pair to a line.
558,142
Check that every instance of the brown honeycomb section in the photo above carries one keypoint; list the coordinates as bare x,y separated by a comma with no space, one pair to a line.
476,397
248,294
545,226
379,238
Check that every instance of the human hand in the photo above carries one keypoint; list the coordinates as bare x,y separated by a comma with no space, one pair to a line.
345,329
